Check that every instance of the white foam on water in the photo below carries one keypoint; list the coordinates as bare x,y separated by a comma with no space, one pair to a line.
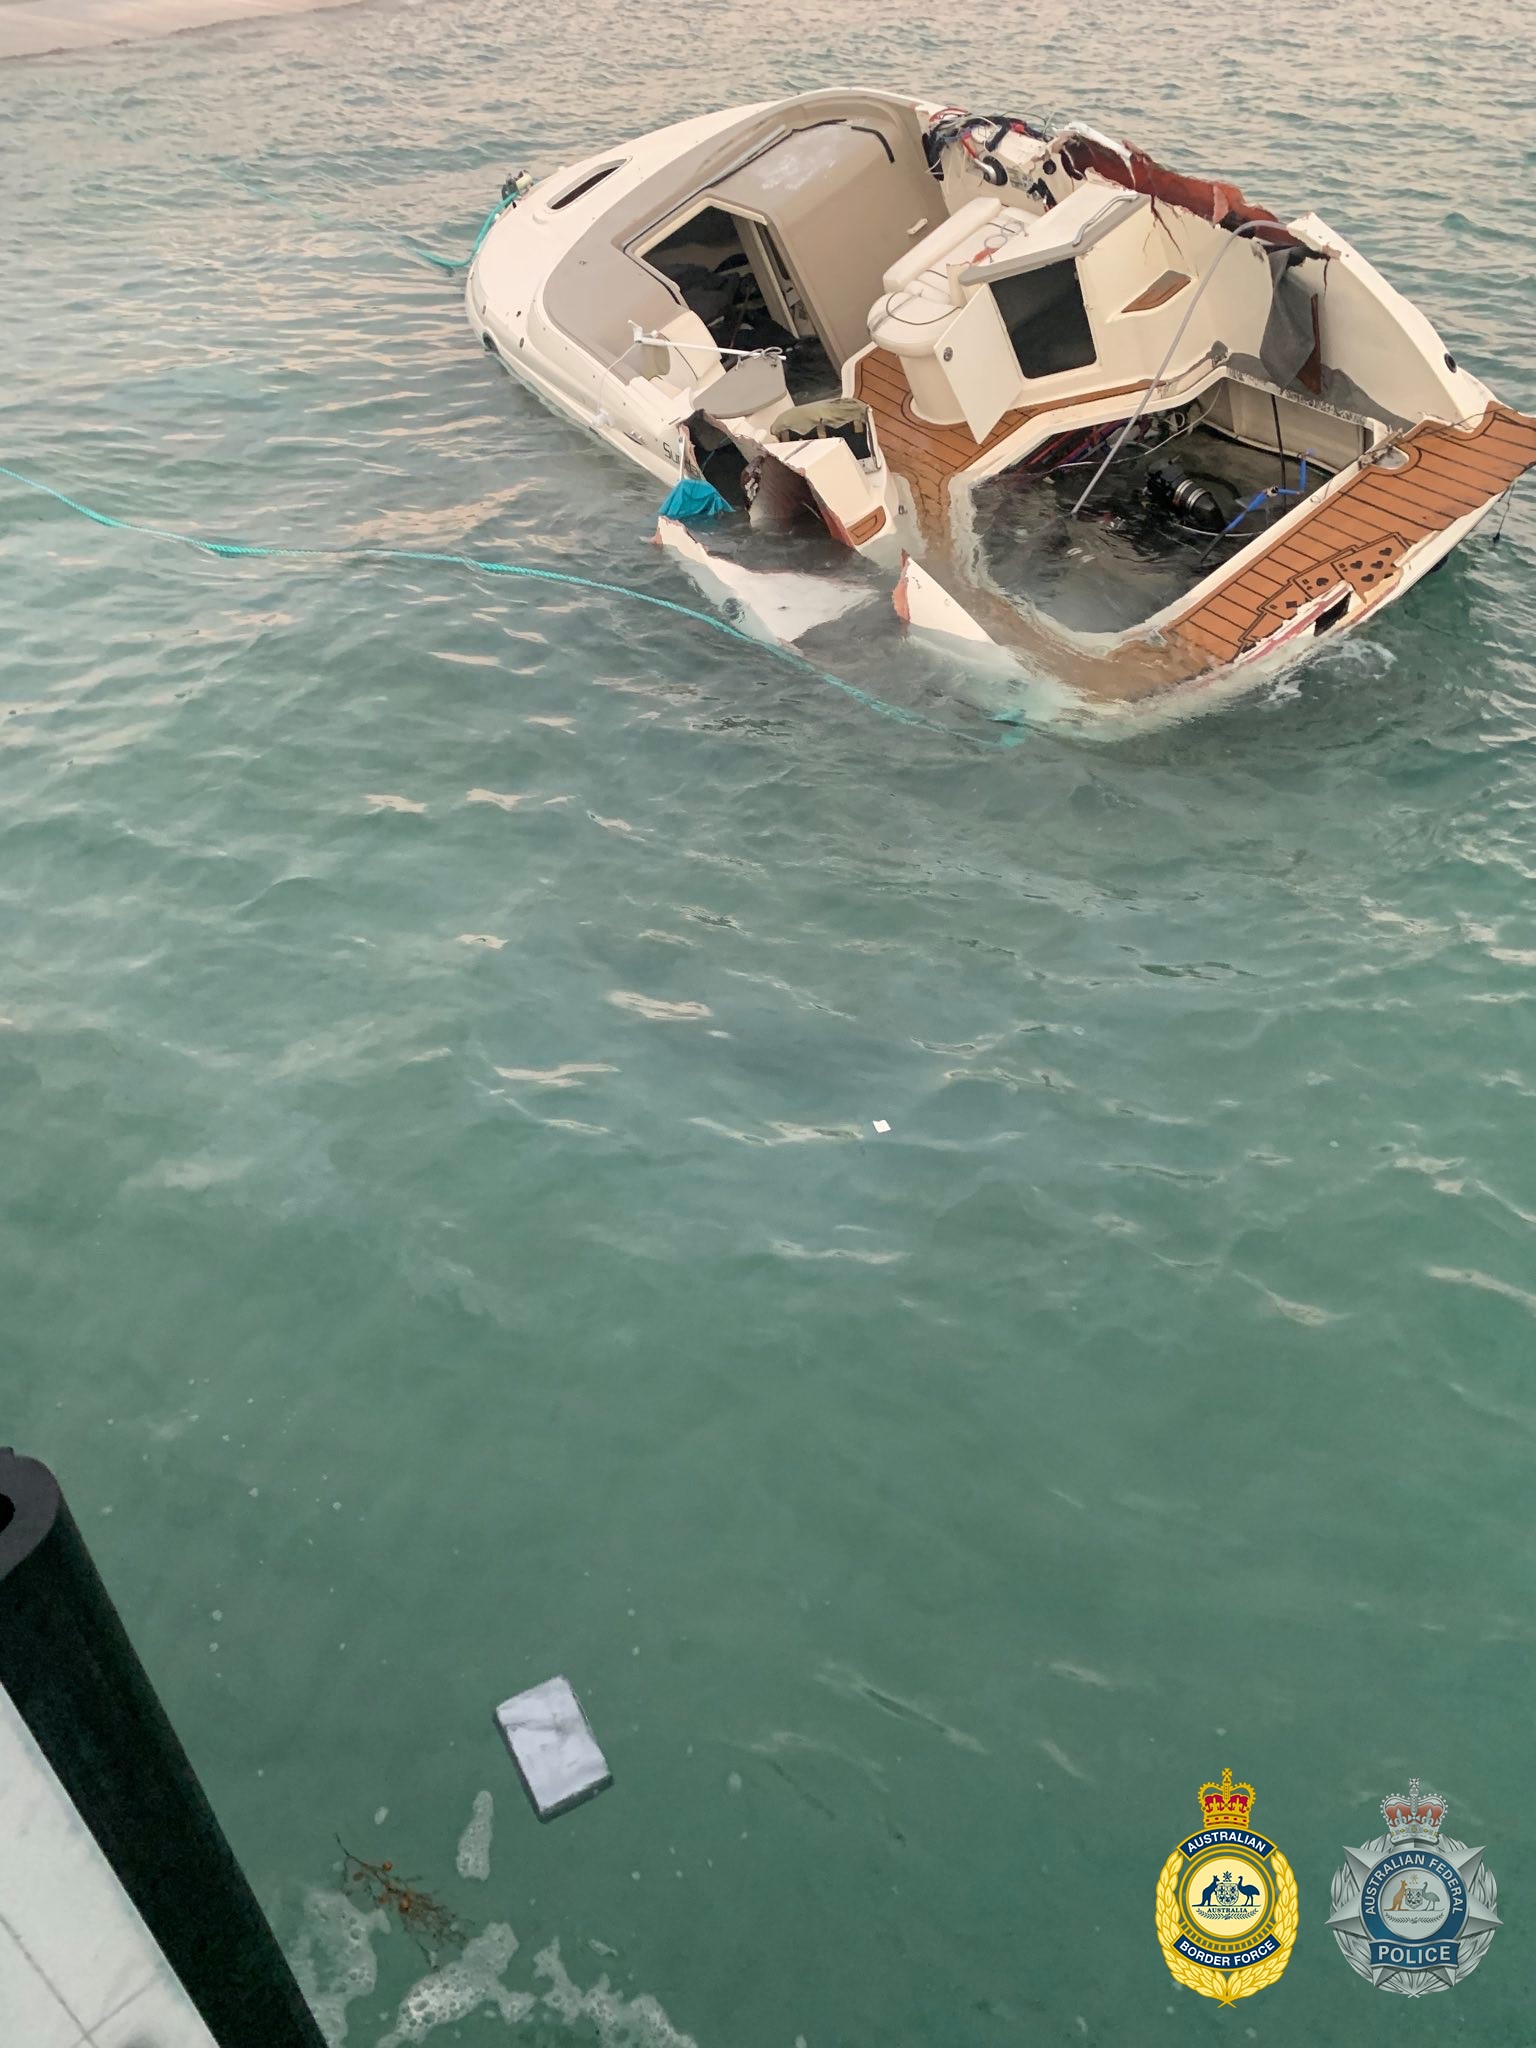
786,1248
1361,651
567,1075
475,1842
620,2022
506,800
781,1133
655,1008
333,1959
475,1984
444,1997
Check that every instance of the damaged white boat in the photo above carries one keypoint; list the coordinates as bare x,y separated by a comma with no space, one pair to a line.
1077,407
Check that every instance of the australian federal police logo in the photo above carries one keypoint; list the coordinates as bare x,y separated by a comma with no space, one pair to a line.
1412,1911
1226,1901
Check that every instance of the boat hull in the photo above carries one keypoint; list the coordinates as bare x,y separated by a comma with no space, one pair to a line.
568,290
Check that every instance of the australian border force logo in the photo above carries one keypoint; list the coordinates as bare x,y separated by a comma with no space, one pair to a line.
1411,1911
1226,1901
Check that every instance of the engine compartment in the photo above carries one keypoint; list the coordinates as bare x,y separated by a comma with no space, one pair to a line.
1188,489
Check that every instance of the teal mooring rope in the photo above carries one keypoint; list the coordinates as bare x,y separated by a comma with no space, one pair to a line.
453,264
234,550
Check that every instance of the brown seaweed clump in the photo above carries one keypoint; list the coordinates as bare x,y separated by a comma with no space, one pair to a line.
423,1916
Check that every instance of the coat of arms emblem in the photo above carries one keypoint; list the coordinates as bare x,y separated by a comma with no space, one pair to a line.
1226,1901
1413,1910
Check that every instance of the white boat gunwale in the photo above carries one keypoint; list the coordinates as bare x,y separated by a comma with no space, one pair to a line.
575,255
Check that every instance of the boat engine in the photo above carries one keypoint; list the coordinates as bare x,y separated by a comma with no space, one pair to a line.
1203,502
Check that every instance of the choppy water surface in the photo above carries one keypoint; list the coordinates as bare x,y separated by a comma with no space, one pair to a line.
446,1238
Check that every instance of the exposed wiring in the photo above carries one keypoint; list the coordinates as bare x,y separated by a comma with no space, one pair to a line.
1080,459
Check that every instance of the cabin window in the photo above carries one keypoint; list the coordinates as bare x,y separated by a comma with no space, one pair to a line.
1046,320
582,187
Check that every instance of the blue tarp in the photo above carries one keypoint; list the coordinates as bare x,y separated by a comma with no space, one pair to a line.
692,498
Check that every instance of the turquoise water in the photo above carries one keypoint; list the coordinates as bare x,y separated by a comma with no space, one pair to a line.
446,1241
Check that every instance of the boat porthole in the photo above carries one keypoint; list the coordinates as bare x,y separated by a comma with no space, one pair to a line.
1450,360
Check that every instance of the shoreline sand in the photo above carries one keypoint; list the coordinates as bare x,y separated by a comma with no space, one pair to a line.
45,28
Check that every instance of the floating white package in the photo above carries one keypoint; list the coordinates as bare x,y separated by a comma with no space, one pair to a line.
553,1746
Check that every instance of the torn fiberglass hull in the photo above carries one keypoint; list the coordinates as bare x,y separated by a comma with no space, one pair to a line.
1080,410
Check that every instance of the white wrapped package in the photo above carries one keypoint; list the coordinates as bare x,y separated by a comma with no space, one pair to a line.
553,1746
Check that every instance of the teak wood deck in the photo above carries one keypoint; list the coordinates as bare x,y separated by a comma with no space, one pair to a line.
930,457
1359,535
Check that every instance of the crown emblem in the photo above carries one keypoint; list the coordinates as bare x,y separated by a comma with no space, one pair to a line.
1415,1818
1228,1806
